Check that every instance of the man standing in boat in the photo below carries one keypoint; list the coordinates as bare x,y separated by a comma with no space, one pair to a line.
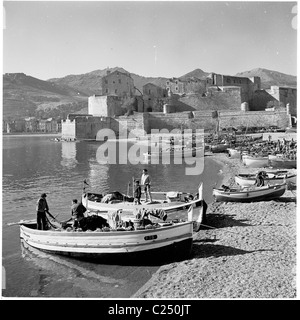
145,181
77,212
42,208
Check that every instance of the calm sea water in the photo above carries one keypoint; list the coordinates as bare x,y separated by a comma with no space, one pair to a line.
33,165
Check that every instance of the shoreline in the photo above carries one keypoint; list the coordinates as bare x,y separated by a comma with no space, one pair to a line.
24,134
246,250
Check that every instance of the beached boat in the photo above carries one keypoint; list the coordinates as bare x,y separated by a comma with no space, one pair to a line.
255,161
218,148
250,194
280,161
173,238
271,178
167,205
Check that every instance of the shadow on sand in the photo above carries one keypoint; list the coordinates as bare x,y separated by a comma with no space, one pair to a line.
214,250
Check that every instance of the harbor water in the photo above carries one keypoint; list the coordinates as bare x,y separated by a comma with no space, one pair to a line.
36,164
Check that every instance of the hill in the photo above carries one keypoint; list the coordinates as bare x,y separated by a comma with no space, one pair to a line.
270,78
28,96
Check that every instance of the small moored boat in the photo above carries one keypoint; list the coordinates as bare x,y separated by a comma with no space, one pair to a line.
280,161
250,195
271,178
255,161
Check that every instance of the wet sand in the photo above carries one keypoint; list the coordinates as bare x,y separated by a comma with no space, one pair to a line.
245,251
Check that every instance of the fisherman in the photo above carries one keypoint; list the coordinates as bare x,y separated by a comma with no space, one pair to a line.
259,180
137,192
42,208
77,212
145,181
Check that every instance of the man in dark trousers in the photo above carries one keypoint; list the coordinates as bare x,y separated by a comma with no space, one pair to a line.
42,208
77,212
137,192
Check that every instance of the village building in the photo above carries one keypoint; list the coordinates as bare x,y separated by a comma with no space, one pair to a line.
117,83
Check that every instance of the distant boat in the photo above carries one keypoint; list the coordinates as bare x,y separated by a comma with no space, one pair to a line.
280,161
220,147
250,195
255,161
271,178
177,152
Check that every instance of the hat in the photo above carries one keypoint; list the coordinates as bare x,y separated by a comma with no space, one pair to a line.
43,195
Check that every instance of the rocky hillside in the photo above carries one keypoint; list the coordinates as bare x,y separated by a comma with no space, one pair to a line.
28,96
270,78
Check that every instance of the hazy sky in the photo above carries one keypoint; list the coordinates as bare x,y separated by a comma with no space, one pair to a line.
47,39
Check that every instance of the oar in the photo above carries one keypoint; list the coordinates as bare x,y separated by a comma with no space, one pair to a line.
21,222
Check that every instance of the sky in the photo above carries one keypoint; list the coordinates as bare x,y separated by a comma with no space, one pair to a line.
53,39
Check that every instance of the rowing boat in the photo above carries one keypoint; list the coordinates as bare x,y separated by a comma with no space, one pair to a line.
255,161
250,194
280,161
271,178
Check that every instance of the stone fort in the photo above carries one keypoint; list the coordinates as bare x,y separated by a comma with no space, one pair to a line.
180,104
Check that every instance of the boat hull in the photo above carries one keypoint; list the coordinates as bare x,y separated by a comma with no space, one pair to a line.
277,162
255,162
259,194
219,148
249,180
173,210
176,154
115,245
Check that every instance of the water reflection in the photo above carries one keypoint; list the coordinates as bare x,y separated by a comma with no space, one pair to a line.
68,154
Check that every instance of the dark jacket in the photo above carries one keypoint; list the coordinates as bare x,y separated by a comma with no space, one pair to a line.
42,205
138,192
78,210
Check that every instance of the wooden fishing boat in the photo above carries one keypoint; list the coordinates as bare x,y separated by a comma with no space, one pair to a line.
255,161
161,239
218,148
167,205
175,153
271,178
280,161
250,195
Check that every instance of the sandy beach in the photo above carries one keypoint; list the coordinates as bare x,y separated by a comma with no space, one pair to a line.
245,251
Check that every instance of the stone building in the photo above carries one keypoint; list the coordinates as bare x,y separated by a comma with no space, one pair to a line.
186,86
285,96
118,83
154,97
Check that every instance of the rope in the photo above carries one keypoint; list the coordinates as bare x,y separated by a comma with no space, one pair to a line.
201,224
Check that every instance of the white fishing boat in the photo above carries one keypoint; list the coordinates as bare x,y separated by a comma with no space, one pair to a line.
270,178
166,205
250,194
280,161
157,240
255,161
175,153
